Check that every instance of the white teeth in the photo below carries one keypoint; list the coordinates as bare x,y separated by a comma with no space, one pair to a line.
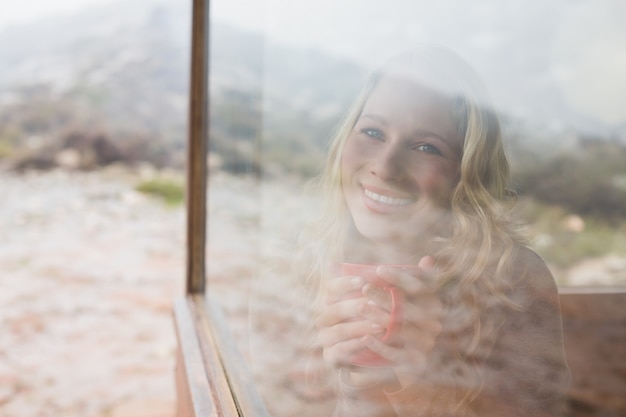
388,200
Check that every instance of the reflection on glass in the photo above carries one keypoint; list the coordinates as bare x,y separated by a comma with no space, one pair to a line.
415,179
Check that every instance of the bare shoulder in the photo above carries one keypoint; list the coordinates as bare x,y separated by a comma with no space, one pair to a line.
530,270
535,377
531,276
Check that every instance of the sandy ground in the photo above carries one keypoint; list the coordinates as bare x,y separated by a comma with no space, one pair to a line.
89,269
88,272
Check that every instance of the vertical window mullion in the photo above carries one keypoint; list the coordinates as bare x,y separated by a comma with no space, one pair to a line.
197,149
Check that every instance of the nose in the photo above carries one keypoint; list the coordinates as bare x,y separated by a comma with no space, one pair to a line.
389,164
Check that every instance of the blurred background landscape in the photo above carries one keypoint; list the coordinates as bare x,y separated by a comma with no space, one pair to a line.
109,86
92,153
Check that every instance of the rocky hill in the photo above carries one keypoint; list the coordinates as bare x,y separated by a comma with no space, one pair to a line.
128,71
123,69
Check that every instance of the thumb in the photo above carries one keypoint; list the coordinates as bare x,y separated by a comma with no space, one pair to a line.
427,262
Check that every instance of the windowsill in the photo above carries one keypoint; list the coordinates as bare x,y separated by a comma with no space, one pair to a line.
212,378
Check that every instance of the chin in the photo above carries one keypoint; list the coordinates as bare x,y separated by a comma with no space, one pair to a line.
382,232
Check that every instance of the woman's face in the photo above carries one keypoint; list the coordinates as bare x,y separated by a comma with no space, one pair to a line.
400,163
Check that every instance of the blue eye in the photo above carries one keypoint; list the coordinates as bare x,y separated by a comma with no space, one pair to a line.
373,133
428,148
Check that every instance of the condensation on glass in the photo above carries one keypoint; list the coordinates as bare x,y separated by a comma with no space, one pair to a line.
281,77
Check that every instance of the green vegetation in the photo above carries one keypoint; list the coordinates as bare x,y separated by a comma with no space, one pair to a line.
574,200
563,239
170,190
6,149
588,180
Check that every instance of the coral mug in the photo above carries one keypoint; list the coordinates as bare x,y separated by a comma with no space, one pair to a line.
366,357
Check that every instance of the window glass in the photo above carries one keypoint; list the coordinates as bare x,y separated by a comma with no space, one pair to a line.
283,74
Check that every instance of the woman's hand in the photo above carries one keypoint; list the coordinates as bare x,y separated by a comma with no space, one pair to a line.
341,323
356,315
421,321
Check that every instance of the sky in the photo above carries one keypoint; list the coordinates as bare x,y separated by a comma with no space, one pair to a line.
585,41
588,44
17,12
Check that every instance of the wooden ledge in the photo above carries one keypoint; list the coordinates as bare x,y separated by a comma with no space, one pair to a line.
595,289
594,326
212,378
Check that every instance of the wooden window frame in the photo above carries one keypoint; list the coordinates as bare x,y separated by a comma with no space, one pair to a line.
211,375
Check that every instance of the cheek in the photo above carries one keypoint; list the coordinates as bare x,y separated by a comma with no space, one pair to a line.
351,158
438,183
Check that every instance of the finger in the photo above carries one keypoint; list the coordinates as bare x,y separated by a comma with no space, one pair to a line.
343,287
360,376
426,263
421,334
425,316
342,332
389,352
427,270
405,278
378,297
341,311
342,353
422,330
375,314
386,311
412,281
400,356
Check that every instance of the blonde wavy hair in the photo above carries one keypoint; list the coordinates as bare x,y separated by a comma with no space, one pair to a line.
480,248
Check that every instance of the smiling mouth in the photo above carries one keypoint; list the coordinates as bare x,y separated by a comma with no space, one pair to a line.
391,201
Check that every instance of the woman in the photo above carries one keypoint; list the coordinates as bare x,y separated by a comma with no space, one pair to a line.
417,176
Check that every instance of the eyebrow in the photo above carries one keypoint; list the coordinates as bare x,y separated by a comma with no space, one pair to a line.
376,117
421,133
